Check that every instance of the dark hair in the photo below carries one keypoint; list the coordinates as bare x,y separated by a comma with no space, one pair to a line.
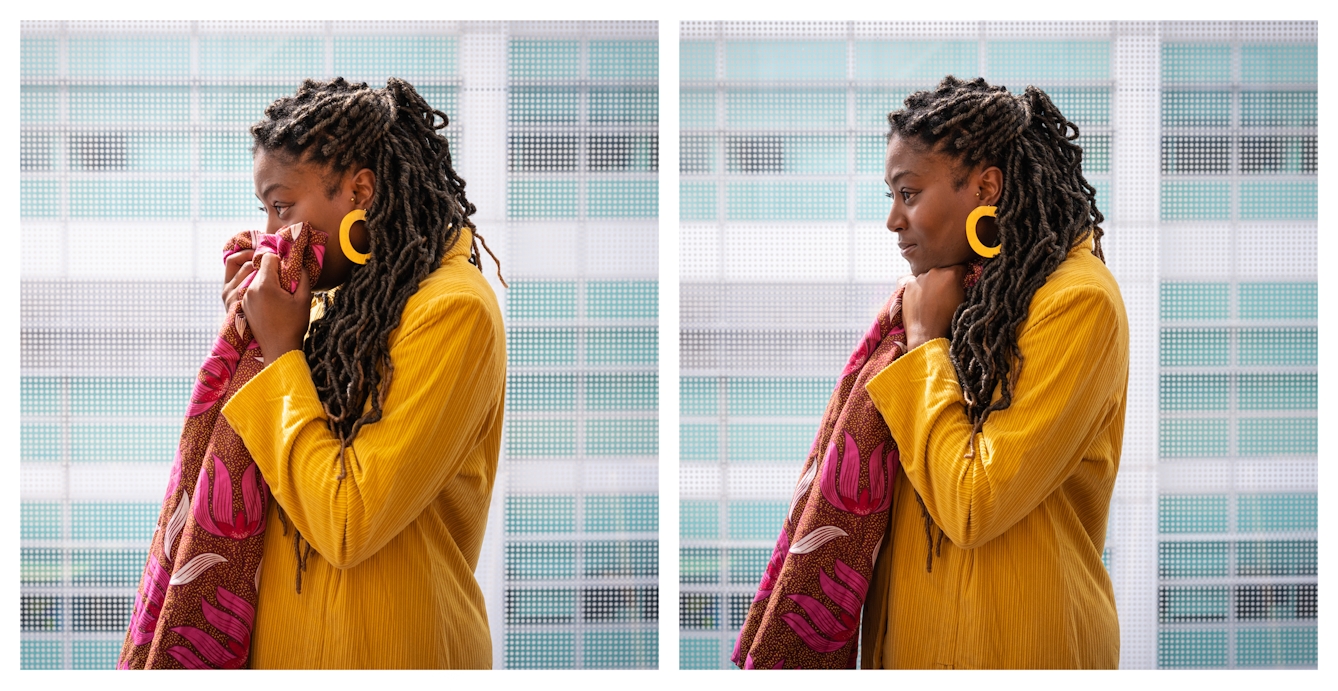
1046,207
417,212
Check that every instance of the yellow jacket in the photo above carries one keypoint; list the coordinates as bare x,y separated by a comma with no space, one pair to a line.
398,540
1019,582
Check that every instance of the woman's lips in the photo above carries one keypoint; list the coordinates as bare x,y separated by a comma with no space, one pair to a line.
905,249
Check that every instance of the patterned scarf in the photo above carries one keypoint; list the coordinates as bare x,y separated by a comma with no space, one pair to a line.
807,608
196,602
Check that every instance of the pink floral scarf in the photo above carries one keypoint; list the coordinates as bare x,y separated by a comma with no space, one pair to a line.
807,608
196,602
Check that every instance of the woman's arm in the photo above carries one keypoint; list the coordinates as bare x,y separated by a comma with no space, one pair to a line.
1075,369
448,372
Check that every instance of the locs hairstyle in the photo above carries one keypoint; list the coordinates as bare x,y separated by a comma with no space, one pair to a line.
417,212
1046,207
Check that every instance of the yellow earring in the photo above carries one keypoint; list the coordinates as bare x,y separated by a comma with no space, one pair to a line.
971,221
345,243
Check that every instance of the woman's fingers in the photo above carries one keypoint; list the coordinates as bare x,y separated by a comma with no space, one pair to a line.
235,262
236,277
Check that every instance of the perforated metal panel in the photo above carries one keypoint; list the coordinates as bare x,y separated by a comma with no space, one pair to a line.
784,258
136,167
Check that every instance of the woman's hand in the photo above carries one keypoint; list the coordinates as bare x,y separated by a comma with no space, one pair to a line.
235,270
278,319
929,302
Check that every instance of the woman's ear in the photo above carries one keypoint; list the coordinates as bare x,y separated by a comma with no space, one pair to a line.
990,182
364,186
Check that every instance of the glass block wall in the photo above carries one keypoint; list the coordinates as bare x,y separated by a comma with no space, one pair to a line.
135,170
784,259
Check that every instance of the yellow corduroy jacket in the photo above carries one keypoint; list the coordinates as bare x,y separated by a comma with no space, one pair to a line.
391,582
1019,582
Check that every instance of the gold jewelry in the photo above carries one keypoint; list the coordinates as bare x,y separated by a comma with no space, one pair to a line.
345,243
971,221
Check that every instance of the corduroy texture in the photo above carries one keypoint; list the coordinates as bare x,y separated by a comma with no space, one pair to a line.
391,582
1019,582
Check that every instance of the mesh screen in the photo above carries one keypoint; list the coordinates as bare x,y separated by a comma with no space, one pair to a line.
1210,197
136,162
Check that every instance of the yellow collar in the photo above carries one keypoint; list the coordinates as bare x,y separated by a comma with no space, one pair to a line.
463,244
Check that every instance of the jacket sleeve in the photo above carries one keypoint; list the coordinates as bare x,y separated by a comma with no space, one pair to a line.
446,386
1074,373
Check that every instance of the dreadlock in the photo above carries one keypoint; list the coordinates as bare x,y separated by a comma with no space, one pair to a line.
1045,208
417,211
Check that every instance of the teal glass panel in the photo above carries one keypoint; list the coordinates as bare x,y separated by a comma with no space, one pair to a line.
540,392
624,60
747,564
39,653
1195,347
757,396
795,154
697,442
543,105
541,199
445,98
540,649
755,520
129,57
225,152
634,513
621,649
1287,647
1193,437
541,300
1277,436
1195,62
259,57
139,105
770,442
39,198
622,199
39,105
239,105
545,59
699,520
529,561
785,201
1192,559
95,654
696,60
1277,558
44,613
39,521
622,437
113,521
697,201
621,299
376,58
39,443
38,57
1277,63
1279,200
785,60
1277,513
625,346
871,201
696,153
623,106
1277,391
622,392
1195,391
1191,648
101,152
1177,605
1019,63
39,566
1264,301
622,559
698,565
541,438
872,107
1086,106
1298,347
1194,301
1277,602
1196,108
790,109
698,396
89,613
1192,513
696,109
1279,109
540,606
871,154
538,347
1195,201
39,395
106,567
699,653
542,514
130,199
925,62
124,443
1095,153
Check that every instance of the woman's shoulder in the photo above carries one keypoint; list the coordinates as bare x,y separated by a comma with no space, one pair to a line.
455,285
1082,278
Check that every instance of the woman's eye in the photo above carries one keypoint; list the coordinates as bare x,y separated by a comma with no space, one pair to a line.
906,196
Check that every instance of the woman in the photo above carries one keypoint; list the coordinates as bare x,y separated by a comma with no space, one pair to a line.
1008,406
378,423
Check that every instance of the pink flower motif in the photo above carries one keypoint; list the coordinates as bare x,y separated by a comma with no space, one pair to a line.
149,604
174,480
214,376
236,628
773,567
845,493
221,521
832,631
866,347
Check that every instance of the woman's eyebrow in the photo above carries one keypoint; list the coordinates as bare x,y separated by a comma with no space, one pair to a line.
898,176
273,186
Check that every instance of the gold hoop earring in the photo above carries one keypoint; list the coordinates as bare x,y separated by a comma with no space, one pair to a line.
971,221
345,243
